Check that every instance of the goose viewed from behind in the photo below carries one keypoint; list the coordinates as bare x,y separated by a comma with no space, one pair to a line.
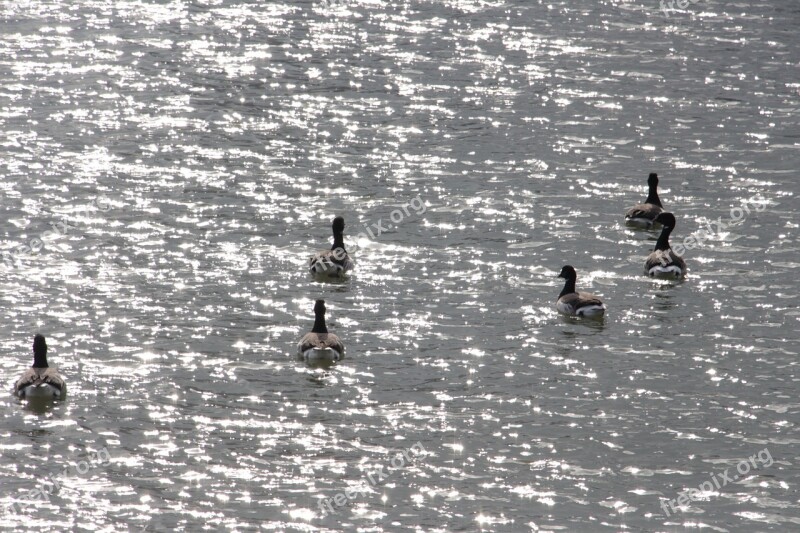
573,303
320,347
40,381
334,262
644,215
663,262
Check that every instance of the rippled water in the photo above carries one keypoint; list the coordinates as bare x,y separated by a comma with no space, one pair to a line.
197,153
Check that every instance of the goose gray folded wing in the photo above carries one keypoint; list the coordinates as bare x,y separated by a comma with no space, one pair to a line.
320,340
647,211
33,377
581,299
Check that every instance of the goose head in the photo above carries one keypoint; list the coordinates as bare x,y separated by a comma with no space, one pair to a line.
567,272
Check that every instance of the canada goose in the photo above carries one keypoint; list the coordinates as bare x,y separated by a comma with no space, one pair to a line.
334,262
319,346
573,303
644,215
663,262
40,381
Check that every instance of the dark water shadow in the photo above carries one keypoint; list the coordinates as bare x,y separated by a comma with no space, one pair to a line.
321,377
331,280
40,406
595,323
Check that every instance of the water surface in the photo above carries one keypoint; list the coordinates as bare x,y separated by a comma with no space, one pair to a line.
187,157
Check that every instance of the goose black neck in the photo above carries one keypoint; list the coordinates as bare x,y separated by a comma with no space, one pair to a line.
40,360
569,287
652,196
39,351
663,239
338,240
319,324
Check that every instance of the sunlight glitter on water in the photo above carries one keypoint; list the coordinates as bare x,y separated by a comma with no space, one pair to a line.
227,136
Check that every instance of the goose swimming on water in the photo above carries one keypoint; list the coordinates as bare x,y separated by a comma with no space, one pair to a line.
40,381
334,262
573,303
319,346
663,262
644,215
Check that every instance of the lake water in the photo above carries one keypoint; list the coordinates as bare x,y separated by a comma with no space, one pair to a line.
181,160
